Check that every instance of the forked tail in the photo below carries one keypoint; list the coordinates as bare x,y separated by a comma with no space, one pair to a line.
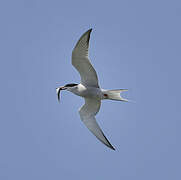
115,94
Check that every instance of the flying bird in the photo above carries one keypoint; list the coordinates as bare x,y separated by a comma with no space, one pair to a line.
89,88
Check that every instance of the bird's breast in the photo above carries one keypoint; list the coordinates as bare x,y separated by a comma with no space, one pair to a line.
89,92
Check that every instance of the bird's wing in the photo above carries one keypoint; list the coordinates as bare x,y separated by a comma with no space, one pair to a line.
87,115
81,62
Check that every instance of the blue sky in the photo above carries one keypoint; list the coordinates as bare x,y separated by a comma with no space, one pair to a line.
134,45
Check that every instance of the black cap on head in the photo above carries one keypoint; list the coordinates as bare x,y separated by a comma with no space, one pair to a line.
70,85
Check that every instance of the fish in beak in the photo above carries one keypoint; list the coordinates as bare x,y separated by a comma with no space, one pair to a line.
58,91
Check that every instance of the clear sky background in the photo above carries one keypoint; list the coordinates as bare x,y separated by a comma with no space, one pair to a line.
134,45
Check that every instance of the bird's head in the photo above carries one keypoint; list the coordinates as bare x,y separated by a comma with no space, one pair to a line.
68,87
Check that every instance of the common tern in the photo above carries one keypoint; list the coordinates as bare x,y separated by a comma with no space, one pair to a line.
89,88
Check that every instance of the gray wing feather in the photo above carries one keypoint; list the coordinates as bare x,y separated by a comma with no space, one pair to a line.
81,62
87,114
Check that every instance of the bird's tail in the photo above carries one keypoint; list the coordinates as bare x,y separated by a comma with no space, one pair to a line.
115,95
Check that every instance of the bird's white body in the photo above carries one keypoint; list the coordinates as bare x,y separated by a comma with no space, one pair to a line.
89,88
88,92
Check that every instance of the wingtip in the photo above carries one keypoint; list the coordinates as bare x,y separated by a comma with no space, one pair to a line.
112,147
109,144
87,34
90,30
